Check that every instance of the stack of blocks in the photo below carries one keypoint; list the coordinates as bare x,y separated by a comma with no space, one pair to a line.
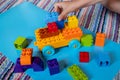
26,61
53,66
100,39
20,43
84,57
87,40
53,17
76,73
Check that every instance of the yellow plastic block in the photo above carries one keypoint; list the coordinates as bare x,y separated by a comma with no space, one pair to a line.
26,56
72,22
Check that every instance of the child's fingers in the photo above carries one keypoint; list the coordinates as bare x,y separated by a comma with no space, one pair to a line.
63,15
57,7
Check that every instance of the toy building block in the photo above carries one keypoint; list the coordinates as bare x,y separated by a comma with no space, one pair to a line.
84,57
100,39
52,27
72,22
72,33
26,56
37,64
43,33
20,43
60,24
76,73
53,66
103,59
51,17
87,40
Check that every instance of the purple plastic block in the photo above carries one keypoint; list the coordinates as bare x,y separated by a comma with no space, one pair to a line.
38,64
18,68
53,66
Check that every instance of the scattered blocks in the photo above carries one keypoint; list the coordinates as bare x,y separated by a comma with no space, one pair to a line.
84,57
87,40
51,17
52,27
26,56
100,39
76,73
53,66
37,65
72,22
20,43
103,59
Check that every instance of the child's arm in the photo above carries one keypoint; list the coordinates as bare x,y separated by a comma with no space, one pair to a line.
69,6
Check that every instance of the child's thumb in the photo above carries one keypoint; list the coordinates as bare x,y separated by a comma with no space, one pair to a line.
62,15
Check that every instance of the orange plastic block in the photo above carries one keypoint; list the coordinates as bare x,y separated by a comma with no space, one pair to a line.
26,56
100,39
71,33
44,33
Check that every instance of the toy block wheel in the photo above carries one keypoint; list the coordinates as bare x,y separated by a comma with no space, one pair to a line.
74,44
48,51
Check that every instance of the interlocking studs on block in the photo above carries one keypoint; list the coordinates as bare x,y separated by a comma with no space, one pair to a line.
100,39
20,43
53,66
26,56
76,73
84,57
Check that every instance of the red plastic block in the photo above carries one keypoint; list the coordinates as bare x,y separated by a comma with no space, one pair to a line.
52,27
84,57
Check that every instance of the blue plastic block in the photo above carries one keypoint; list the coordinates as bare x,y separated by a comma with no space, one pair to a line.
60,24
53,66
51,17
38,64
103,59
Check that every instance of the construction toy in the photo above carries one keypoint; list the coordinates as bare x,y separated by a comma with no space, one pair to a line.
20,43
51,17
103,59
53,66
52,27
46,41
26,56
60,24
76,73
84,57
72,22
100,39
87,40
37,65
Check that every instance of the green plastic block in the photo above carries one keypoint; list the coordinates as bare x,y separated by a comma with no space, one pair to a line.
20,43
76,73
87,40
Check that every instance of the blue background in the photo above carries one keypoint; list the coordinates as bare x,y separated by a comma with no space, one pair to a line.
24,19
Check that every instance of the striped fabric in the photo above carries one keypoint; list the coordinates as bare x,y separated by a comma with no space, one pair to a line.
7,68
95,18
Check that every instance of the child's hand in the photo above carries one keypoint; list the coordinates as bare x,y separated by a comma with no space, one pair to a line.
64,8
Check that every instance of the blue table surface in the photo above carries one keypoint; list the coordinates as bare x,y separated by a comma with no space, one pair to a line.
24,19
